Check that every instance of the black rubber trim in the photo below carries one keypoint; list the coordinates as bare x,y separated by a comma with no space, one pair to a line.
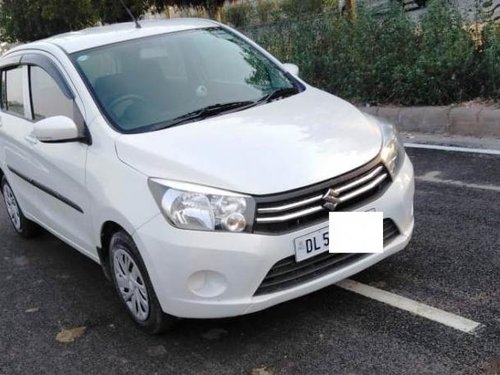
104,263
47,190
71,140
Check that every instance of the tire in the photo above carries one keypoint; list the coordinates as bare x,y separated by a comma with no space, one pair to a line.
24,227
128,273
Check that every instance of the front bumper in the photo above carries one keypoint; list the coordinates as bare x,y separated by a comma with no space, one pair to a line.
213,275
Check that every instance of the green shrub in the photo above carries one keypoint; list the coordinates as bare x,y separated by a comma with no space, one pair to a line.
447,56
299,8
380,55
239,14
388,58
266,10
489,69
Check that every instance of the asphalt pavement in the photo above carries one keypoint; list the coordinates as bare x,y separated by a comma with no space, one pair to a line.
452,263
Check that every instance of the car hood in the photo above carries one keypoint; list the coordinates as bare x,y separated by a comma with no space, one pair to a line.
280,146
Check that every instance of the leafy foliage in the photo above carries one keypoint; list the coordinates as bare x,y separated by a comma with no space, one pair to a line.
489,68
111,11
266,10
447,55
389,58
370,58
297,8
239,14
25,20
212,6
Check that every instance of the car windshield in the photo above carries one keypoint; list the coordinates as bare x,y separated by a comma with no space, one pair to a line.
165,80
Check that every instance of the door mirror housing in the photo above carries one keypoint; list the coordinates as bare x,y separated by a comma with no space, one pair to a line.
57,129
292,69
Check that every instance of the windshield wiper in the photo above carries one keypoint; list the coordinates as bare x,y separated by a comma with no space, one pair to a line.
279,93
217,109
211,110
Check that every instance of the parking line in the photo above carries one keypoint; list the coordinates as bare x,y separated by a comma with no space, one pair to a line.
417,308
432,176
453,148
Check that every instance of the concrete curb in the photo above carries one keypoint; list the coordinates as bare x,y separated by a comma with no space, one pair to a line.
462,121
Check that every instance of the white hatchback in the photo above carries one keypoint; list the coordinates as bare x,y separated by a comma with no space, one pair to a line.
188,161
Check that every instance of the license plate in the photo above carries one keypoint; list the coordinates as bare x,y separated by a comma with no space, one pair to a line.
311,244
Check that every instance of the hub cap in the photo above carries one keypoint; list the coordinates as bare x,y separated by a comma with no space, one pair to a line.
12,207
131,284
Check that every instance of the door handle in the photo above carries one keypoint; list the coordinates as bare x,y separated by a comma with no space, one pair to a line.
31,139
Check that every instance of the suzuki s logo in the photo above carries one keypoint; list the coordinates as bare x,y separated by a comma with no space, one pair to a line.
331,199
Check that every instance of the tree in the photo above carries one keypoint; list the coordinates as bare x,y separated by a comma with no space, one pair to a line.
27,20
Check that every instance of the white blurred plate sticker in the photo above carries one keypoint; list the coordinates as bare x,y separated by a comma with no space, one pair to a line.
356,232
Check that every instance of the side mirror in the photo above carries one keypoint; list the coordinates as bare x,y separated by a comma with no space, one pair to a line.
56,129
292,69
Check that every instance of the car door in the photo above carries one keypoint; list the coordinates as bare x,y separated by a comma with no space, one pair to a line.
15,128
58,169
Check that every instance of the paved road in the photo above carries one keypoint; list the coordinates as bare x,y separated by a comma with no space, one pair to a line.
453,264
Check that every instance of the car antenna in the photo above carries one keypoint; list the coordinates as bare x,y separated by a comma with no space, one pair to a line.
137,24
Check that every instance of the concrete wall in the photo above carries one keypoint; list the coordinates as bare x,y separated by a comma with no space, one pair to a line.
477,121
467,7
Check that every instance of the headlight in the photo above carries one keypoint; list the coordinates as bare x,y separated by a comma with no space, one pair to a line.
393,151
195,207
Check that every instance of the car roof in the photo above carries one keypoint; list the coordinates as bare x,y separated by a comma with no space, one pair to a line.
99,36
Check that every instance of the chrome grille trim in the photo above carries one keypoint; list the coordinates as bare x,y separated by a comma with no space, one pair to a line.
359,181
281,218
290,206
288,211
364,189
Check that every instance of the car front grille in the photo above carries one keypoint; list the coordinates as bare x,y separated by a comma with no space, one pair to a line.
280,213
287,273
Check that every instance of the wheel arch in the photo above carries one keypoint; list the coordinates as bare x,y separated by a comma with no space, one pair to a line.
108,229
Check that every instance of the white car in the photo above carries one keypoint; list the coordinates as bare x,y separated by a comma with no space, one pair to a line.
187,161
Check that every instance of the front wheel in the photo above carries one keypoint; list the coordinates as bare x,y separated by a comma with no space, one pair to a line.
134,287
24,227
